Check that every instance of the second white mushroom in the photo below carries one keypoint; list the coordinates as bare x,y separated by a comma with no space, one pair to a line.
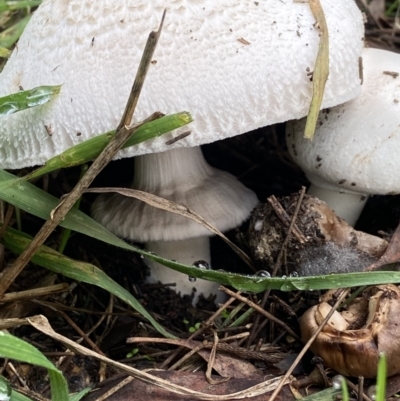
355,151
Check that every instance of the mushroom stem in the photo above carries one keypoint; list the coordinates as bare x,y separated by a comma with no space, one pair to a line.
346,205
182,176
186,252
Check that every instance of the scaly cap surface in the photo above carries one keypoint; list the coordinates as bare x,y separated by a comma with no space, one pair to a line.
235,65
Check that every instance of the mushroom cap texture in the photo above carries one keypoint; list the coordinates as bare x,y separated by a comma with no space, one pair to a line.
356,146
236,65
355,351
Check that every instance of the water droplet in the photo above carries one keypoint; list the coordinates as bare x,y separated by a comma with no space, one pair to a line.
371,392
258,225
201,264
294,274
192,279
287,287
302,286
262,273
284,277
141,256
337,382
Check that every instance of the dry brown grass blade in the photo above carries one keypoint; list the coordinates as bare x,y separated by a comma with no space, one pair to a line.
40,323
260,310
169,206
35,292
321,69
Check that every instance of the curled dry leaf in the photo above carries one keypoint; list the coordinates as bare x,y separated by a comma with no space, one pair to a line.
326,237
353,339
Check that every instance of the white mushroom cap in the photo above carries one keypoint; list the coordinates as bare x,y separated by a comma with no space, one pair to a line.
235,65
184,177
356,146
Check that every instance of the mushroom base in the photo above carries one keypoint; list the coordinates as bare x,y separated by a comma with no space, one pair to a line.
321,242
187,252
346,205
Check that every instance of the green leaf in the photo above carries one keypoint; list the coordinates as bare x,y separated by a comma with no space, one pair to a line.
5,389
90,149
11,5
81,271
10,35
329,394
5,53
13,348
27,98
80,395
381,378
16,396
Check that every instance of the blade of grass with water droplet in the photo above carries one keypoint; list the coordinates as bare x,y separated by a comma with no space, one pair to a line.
39,203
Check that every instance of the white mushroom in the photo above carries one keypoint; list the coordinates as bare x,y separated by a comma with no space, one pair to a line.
355,149
183,176
234,65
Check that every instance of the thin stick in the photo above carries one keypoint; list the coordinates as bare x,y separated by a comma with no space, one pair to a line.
121,136
256,328
35,292
260,310
285,219
290,230
140,77
200,331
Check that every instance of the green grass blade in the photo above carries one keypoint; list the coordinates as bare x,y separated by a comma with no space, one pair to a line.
26,99
39,203
381,378
12,5
5,389
329,394
10,35
80,271
4,53
90,149
345,390
13,348
80,395
15,396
